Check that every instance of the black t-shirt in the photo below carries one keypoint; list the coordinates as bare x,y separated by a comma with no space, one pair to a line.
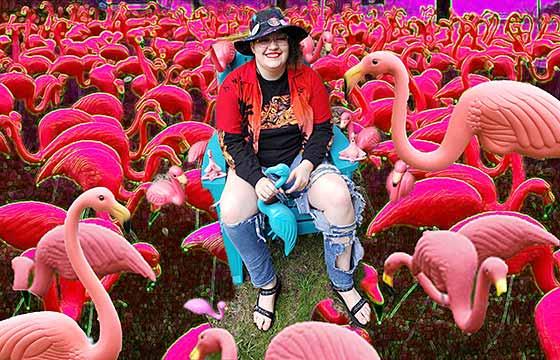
280,138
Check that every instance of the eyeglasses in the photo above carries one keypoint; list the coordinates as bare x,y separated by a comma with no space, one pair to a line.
281,40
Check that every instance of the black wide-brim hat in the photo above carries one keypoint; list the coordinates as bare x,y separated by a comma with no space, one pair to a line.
267,22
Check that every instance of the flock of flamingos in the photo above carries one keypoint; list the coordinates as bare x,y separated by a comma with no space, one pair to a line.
448,90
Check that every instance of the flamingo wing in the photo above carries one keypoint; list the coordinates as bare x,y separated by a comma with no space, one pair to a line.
45,335
160,192
516,117
22,224
504,236
312,340
106,252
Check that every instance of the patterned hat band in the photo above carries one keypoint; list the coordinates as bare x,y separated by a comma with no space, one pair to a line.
273,22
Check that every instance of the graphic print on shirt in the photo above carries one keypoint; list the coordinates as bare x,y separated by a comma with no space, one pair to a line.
278,113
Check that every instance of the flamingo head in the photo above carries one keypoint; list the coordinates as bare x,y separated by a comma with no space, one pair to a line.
400,181
222,53
328,39
496,270
392,264
345,119
375,64
222,306
175,172
102,199
209,341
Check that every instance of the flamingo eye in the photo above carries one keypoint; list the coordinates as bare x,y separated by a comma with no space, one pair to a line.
374,62
101,197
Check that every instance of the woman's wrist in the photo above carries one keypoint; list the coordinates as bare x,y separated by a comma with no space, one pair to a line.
308,165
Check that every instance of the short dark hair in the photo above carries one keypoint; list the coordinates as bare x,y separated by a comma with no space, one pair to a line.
294,55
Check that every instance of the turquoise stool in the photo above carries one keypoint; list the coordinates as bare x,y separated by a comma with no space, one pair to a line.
304,222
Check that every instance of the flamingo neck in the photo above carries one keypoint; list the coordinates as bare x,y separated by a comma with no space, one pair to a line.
151,80
456,138
518,196
143,130
133,198
22,151
109,344
470,319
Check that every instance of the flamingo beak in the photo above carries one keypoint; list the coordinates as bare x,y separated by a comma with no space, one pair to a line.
501,286
351,78
551,197
157,270
328,47
160,122
120,213
488,66
195,354
182,179
388,279
397,177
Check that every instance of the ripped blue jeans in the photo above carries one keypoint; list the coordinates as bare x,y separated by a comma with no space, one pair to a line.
247,237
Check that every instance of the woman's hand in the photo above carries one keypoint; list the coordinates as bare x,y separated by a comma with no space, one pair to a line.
265,189
300,176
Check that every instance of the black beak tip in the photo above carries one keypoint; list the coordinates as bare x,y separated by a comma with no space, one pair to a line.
127,226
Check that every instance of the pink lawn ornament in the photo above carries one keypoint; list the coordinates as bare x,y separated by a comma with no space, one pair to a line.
184,345
445,264
399,181
352,152
203,307
492,110
169,189
51,335
107,251
516,238
212,170
209,238
303,341
547,322
222,53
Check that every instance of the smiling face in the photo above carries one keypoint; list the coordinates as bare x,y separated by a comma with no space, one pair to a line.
271,53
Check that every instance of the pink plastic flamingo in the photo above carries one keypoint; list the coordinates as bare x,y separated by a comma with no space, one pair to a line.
181,136
203,307
197,196
184,345
53,335
547,321
303,341
212,170
496,120
106,251
101,104
209,238
69,296
399,181
516,238
91,163
447,263
169,189
428,203
23,224
352,152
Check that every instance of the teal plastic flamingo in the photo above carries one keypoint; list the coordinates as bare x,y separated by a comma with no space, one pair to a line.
283,223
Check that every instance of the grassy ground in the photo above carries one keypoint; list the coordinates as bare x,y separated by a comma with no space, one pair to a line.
304,283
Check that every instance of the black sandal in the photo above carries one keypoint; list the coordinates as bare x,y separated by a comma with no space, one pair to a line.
267,292
355,309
